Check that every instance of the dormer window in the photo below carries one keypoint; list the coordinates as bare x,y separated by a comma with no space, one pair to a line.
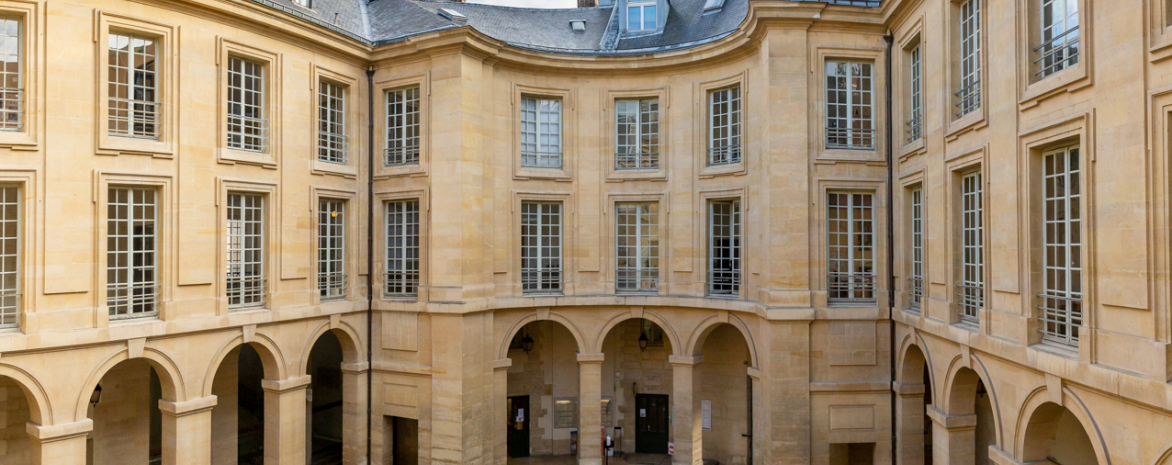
641,17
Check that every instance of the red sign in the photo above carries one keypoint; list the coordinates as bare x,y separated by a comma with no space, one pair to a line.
671,448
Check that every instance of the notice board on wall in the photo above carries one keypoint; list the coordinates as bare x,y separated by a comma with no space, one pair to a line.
706,415
565,412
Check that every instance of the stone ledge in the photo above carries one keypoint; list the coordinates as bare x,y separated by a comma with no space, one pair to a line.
187,407
849,386
952,422
62,431
908,390
285,385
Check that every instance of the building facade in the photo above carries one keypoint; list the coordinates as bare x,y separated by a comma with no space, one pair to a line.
401,231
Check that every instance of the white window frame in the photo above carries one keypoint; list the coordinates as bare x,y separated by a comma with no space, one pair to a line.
1060,304
850,245
725,258
641,26
11,243
969,95
915,123
636,134
245,275
1058,36
248,130
542,242
916,275
850,105
636,247
402,248
11,81
132,289
541,132
403,127
332,142
331,249
135,113
971,289
725,126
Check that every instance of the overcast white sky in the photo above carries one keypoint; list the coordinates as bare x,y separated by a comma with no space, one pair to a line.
530,3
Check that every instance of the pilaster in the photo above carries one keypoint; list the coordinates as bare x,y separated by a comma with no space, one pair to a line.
686,426
285,420
59,444
354,388
187,431
953,437
589,405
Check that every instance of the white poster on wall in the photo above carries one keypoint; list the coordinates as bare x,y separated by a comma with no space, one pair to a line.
706,415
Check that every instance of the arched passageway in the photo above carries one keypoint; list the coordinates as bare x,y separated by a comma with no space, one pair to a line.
725,396
124,407
15,413
636,386
962,434
325,402
1054,433
238,419
913,398
542,391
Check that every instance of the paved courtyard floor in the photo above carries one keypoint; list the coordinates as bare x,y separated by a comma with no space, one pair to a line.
630,459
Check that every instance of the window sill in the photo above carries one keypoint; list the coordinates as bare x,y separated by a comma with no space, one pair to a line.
532,172
1068,80
543,294
968,326
913,148
233,156
970,122
1054,348
117,145
336,169
18,140
617,175
731,169
401,298
386,172
868,155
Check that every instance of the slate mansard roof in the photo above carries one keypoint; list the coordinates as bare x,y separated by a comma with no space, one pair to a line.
387,21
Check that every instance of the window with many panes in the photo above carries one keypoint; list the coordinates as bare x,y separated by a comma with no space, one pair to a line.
10,256
1060,302
968,97
724,248
641,16
133,108
916,275
636,134
541,247
332,141
851,247
331,248
724,126
1058,47
402,127
246,250
849,105
541,132
131,234
402,248
636,247
971,289
11,81
915,122
247,127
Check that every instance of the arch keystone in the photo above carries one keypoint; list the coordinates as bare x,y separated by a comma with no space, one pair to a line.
1054,388
135,347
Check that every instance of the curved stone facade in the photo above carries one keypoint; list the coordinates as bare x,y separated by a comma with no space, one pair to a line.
836,243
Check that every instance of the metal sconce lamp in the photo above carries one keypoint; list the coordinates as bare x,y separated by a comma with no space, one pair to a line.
643,340
96,396
527,343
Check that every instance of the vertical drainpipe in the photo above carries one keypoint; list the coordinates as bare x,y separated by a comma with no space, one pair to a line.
890,245
369,252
